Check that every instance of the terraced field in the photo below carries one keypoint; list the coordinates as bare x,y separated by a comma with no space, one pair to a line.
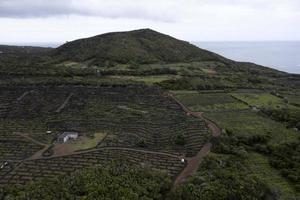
142,126
47,168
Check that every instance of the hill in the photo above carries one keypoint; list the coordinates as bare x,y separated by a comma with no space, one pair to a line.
144,46
141,46
9,49
134,56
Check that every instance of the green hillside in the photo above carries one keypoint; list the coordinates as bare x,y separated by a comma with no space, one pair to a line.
141,46
139,56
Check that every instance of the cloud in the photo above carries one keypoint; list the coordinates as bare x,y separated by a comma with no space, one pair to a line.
155,10
141,9
61,20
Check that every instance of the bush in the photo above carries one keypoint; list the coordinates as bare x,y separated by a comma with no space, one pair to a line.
286,158
180,140
141,143
221,178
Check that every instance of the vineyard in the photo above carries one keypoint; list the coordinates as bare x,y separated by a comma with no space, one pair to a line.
47,168
142,126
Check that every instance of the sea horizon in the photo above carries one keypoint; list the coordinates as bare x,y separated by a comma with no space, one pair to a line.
280,55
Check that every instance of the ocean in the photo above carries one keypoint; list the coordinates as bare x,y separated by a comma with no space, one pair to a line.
284,56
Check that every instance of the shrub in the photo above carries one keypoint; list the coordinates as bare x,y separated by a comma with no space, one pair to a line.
180,140
141,143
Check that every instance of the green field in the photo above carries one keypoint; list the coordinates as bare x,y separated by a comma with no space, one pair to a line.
293,99
210,101
246,136
88,142
260,166
248,123
265,100
148,80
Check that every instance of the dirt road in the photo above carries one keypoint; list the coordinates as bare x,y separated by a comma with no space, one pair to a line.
194,162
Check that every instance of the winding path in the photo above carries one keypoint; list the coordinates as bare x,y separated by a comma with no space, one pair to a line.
194,162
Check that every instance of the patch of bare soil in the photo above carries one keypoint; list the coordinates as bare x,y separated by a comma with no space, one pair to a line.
62,149
39,154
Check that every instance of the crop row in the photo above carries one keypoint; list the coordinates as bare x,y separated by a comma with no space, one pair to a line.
16,149
51,167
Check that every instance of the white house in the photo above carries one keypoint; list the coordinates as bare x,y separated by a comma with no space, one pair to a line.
65,136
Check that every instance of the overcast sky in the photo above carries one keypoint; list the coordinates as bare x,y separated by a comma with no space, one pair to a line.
23,21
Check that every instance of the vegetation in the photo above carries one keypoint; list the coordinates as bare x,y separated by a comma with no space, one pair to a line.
266,150
290,117
117,84
88,142
180,139
234,171
248,124
276,107
286,158
261,100
133,117
222,177
210,101
140,46
114,181
134,57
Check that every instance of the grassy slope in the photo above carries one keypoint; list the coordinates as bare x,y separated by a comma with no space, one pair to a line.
141,55
88,142
260,166
246,124
210,102
250,123
140,46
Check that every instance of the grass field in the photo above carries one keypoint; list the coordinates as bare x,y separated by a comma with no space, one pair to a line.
210,101
148,80
87,142
293,99
249,123
265,100
260,166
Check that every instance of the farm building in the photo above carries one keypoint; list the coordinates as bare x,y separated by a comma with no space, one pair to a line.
65,136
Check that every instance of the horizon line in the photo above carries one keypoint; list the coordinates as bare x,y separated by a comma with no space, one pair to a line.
54,43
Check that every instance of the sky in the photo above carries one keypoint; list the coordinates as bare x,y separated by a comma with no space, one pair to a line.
58,21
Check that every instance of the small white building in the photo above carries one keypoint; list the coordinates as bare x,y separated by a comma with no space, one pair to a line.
65,136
